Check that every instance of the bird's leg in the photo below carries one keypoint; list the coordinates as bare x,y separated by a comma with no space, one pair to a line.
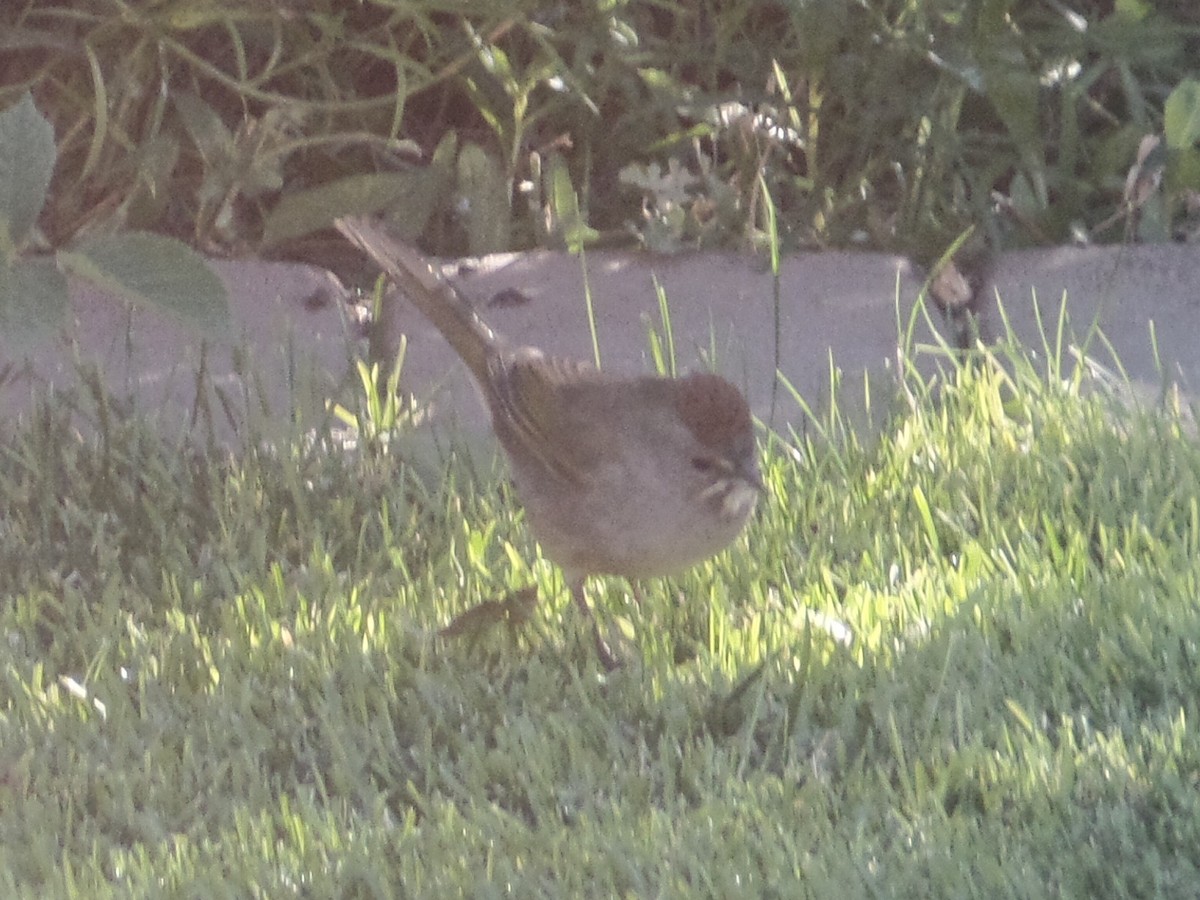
607,659
580,599
636,589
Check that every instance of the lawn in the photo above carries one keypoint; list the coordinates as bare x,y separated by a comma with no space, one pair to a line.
957,657
955,654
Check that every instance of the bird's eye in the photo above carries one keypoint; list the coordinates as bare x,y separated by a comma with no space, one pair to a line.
703,464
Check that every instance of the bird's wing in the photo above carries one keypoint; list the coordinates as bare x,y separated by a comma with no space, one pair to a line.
551,407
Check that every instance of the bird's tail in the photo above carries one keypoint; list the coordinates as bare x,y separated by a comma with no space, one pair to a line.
437,299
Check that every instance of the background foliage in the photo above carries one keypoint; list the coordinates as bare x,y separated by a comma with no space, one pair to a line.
885,123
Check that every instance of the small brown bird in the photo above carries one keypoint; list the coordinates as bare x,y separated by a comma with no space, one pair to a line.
639,476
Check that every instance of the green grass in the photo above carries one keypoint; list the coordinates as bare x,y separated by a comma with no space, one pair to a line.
226,680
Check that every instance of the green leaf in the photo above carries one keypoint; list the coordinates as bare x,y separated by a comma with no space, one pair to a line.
567,219
482,184
1183,171
495,61
445,152
1013,91
152,270
1181,115
413,194
204,125
33,297
27,157
1134,10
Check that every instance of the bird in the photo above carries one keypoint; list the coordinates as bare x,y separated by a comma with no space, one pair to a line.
638,476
